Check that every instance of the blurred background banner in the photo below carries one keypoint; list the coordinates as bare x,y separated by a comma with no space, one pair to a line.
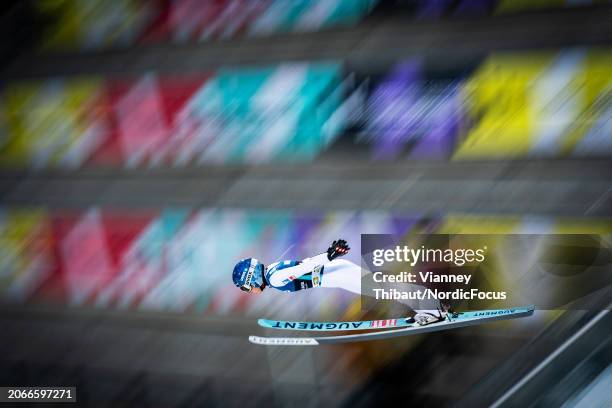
509,106
148,146
95,24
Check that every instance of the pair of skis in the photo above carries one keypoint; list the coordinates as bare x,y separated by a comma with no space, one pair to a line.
423,322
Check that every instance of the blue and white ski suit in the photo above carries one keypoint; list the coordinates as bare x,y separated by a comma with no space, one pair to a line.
317,271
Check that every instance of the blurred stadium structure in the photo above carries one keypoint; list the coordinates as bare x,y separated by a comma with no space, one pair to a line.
147,146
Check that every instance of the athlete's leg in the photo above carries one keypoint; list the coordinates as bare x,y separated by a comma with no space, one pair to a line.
342,274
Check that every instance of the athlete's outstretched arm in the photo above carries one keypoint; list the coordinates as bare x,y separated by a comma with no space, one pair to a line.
336,249
319,259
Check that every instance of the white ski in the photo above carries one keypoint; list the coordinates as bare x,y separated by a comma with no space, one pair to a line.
451,321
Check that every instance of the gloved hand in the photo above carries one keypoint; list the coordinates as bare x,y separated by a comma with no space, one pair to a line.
337,248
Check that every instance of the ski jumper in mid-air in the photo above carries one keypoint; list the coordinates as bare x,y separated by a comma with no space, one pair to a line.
323,270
